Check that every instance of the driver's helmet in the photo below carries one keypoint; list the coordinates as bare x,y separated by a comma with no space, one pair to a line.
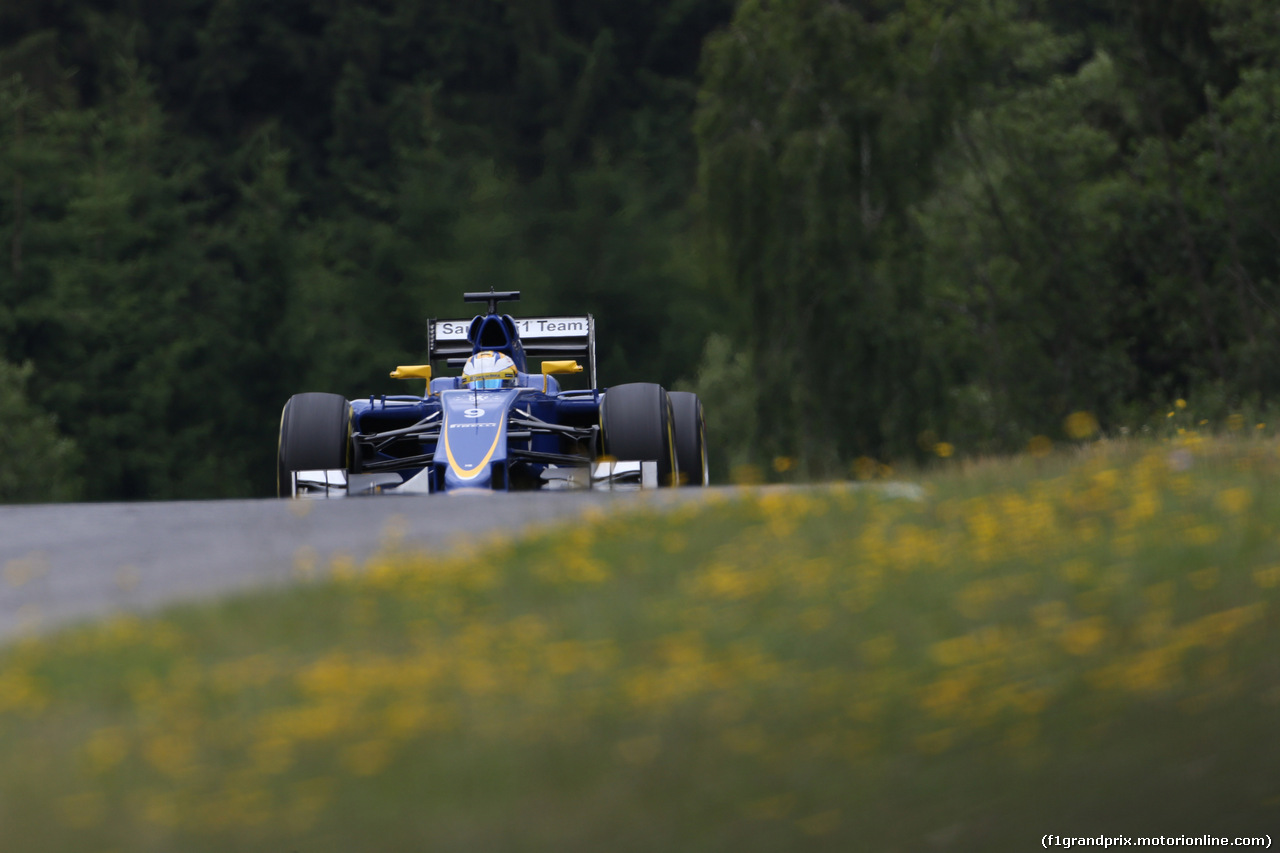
487,370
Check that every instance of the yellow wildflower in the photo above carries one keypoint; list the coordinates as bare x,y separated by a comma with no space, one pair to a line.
1049,615
1080,425
865,468
1202,534
367,758
1151,670
954,651
944,697
878,649
1039,446
106,748
1083,636
1076,570
172,755
1267,578
1234,501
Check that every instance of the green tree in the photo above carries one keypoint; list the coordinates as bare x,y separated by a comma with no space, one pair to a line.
817,127
153,335
36,462
1021,245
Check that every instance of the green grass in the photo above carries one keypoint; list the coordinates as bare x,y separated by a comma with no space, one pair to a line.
1079,644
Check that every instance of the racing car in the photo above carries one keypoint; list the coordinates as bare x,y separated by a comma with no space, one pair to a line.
498,426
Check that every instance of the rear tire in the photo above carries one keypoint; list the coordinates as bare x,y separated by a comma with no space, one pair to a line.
315,433
638,424
691,438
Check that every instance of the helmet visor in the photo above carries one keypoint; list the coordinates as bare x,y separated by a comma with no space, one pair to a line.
490,381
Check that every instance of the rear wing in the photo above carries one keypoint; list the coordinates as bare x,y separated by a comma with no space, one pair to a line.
542,338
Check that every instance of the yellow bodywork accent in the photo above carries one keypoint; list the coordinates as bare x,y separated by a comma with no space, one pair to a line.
561,367
480,466
412,371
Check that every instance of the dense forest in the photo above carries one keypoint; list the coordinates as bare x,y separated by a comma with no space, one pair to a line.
857,228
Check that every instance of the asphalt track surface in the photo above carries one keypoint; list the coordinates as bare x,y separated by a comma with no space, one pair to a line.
66,563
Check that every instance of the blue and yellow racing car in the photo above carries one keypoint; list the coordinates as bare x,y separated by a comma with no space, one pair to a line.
498,426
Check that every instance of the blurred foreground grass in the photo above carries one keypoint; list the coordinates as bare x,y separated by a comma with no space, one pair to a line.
1076,645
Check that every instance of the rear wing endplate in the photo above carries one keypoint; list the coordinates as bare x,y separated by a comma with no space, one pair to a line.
542,338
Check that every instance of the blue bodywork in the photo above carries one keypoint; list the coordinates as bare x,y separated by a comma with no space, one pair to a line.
453,438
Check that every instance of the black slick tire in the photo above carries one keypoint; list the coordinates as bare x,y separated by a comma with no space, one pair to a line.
638,424
691,438
315,432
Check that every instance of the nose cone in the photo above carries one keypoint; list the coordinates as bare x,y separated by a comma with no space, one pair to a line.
454,481
474,436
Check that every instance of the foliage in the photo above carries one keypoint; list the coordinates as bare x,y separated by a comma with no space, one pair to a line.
726,384
1040,641
970,225
919,224
1021,236
209,207
815,121
38,463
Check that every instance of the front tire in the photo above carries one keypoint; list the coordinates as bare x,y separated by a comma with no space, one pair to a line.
691,438
315,433
637,422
